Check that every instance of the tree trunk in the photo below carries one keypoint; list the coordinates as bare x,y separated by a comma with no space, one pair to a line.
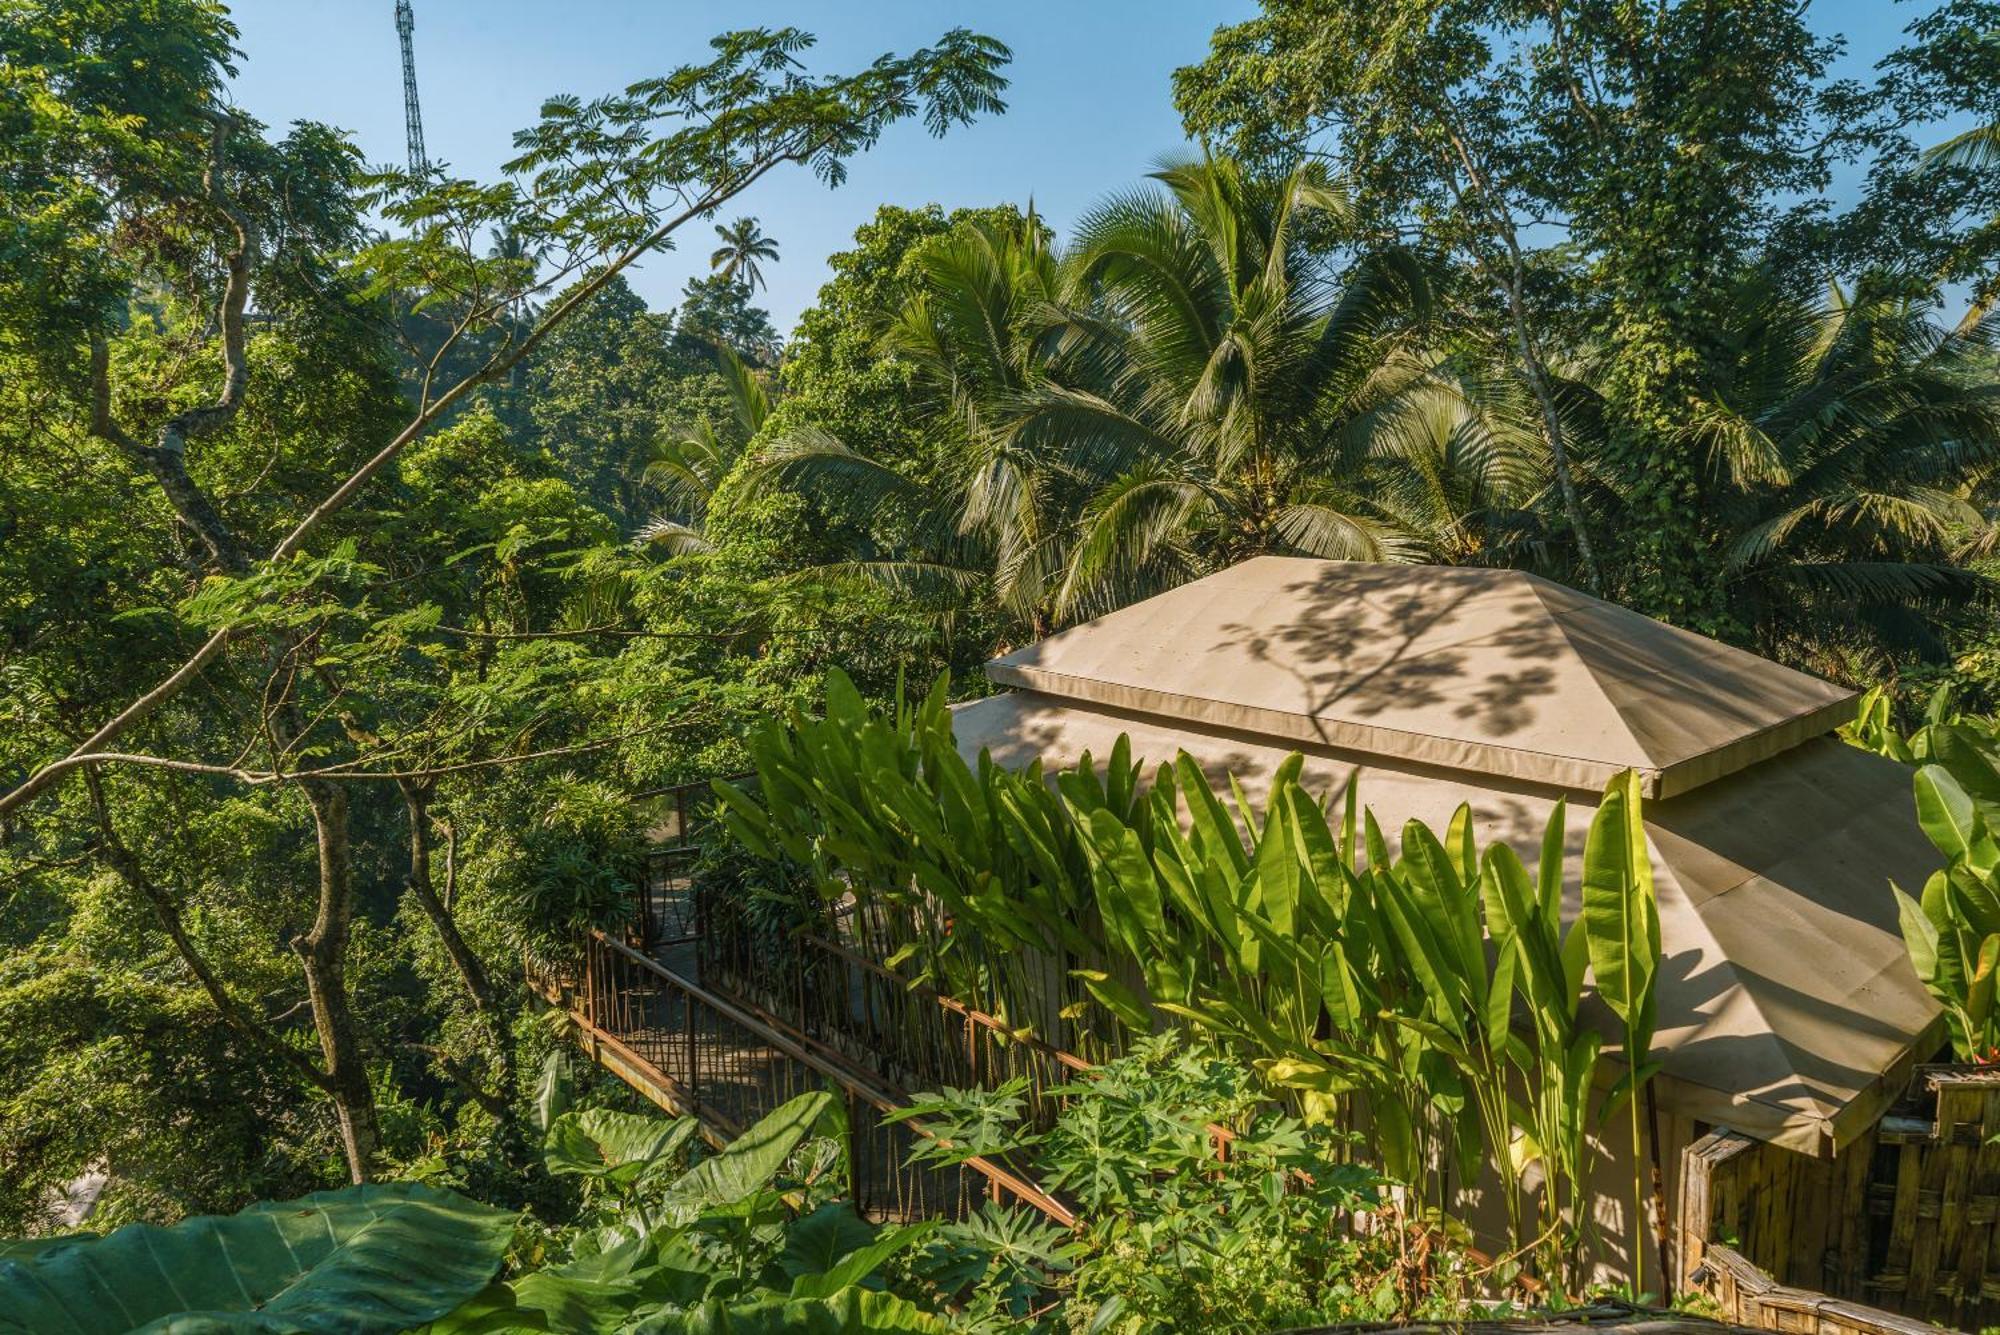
323,955
417,801
1538,382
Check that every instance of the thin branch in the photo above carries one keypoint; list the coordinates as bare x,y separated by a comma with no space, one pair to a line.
126,864
346,773
616,631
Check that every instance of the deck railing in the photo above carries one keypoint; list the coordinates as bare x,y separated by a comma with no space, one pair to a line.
703,1054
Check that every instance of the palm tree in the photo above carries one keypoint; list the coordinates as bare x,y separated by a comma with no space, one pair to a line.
1243,387
1846,444
743,247
688,465
1190,385
978,323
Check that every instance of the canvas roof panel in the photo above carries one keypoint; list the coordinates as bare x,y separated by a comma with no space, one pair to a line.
1495,672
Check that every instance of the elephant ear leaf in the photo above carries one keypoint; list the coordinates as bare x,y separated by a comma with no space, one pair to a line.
617,1146
361,1259
849,1312
751,1161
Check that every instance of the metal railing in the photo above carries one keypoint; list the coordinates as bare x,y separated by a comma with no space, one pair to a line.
728,1064
667,914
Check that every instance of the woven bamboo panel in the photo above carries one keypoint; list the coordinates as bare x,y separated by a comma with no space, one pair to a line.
1903,1219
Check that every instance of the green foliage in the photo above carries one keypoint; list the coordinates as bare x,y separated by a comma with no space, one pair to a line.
1344,980
576,866
1176,1237
751,1237
1952,930
363,1259
1189,384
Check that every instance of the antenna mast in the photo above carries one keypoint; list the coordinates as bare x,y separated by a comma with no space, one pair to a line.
413,119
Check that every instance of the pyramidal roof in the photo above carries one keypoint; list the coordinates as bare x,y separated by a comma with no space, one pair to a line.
1494,672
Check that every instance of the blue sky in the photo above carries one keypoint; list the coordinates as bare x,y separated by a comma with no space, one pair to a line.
1089,111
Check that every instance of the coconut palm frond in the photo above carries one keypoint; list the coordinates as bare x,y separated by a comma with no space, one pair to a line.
673,537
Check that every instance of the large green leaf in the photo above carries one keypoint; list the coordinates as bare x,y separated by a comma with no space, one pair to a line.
361,1259
833,1249
1621,925
1620,917
752,1160
616,1146
1920,937
1945,811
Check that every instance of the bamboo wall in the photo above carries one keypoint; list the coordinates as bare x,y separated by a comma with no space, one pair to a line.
1903,1219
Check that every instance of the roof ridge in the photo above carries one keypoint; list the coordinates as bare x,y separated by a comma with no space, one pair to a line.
1560,619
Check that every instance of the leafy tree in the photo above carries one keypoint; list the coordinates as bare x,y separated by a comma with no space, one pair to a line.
838,376
329,678
716,312
1662,145
602,391
689,465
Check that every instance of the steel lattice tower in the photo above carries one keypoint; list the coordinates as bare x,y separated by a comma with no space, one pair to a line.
413,118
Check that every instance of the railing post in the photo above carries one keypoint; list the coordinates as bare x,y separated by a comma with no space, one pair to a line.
692,1031
855,1177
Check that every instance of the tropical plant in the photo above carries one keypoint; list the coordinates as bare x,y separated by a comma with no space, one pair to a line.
1203,1208
1352,980
1952,931
1621,928
363,1259
744,246
577,866
1876,726
1191,382
1242,385
1843,442
688,465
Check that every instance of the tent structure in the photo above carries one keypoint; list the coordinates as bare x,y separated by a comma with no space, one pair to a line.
1788,1009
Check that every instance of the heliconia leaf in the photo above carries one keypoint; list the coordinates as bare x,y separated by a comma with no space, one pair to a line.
1214,830
1350,826
1920,936
1621,921
1304,1073
1323,886
1945,811
361,1259
1340,991
1277,869
1459,845
1549,870
1115,997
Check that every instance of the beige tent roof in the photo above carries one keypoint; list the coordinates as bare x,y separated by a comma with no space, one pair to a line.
1788,1009
1493,671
